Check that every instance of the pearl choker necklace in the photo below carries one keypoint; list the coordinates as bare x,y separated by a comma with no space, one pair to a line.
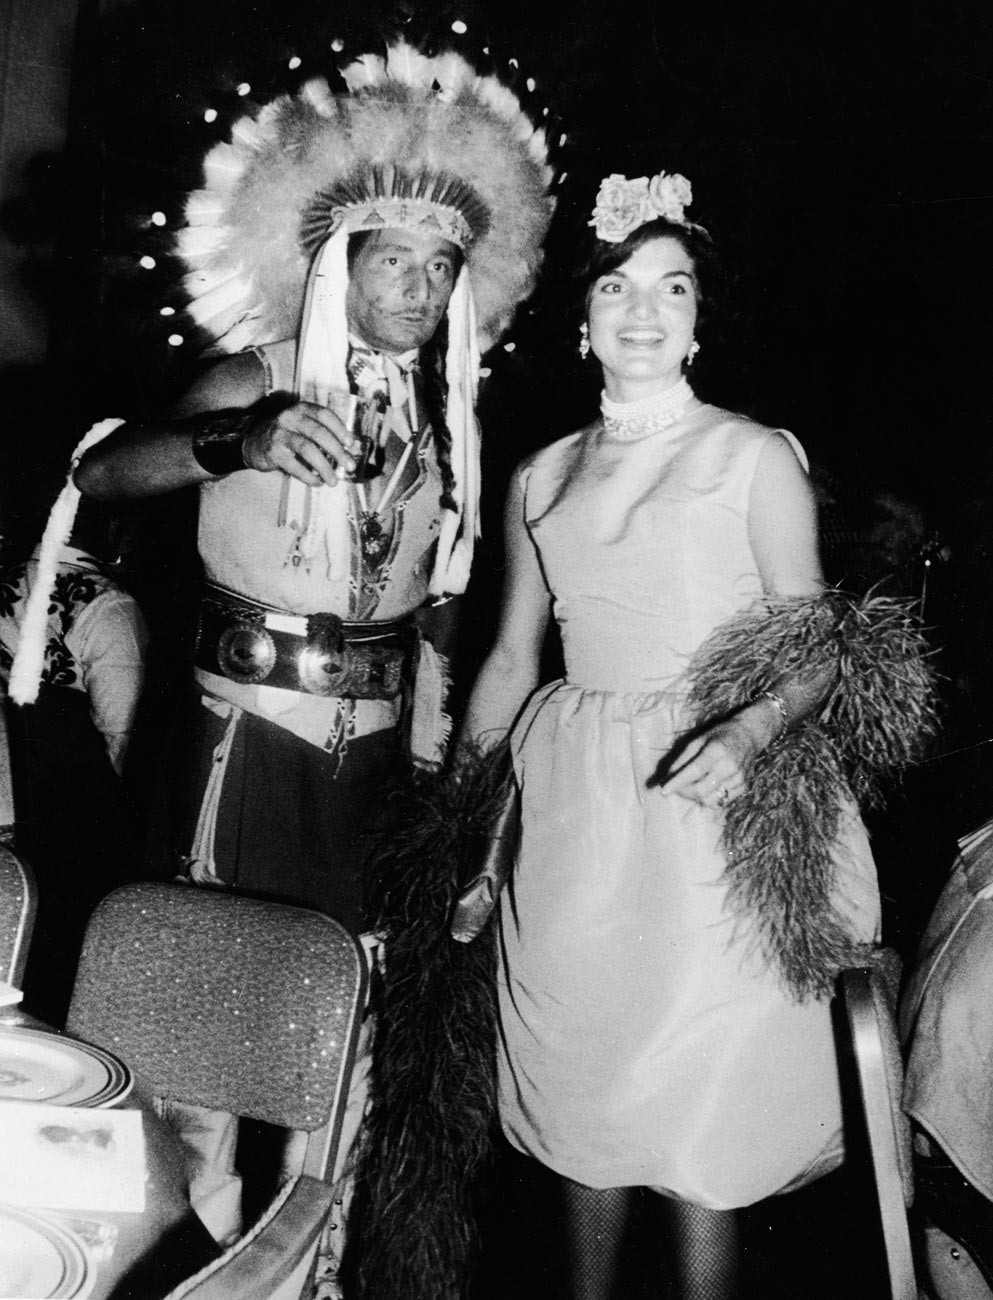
628,421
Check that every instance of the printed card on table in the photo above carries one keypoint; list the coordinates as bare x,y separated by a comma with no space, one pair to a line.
71,1157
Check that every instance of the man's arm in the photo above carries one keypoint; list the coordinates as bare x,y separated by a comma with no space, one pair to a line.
306,441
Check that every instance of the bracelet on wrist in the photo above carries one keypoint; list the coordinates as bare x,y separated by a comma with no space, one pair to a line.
780,703
219,439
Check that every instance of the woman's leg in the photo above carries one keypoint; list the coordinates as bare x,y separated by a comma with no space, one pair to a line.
595,1222
705,1251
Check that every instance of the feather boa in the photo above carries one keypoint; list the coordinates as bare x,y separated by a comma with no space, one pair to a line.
429,1129
780,837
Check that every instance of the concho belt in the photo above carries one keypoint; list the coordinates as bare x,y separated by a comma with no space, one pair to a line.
321,654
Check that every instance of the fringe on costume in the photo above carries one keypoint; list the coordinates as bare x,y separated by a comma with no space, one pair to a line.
780,836
429,1128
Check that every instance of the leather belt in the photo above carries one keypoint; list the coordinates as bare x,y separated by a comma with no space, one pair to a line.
321,654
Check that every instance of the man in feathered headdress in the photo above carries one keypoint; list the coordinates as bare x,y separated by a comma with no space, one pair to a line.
354,252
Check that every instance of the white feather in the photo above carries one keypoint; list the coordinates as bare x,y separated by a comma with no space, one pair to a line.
203,207
247,133
407,65
215,308
452,72
317,93
29,659
367,71
197,242
223,168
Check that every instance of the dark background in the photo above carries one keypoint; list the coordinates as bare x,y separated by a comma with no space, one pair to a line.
840,154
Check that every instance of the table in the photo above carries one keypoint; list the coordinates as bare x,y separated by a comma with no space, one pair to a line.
165,1243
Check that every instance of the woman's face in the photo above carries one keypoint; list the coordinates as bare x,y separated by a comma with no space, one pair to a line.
641,319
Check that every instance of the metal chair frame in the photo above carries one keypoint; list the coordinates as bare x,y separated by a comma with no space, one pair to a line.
19,895
865,1002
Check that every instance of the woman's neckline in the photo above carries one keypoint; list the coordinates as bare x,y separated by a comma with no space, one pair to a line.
630,421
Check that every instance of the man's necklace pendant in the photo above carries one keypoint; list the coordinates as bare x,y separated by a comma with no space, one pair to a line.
373,539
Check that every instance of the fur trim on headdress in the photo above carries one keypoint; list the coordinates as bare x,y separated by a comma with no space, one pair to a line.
412,127
780,836
429,1130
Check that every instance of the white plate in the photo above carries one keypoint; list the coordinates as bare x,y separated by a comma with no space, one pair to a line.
39,1066
41,1258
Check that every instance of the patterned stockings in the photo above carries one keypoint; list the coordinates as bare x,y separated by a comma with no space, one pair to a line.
702,1251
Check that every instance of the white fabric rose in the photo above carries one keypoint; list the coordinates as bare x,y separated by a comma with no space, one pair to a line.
621,206
669,195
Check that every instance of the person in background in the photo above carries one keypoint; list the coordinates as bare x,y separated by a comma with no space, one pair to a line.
74,819
946,1023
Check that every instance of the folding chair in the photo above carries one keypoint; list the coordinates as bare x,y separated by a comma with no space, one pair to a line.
870,1008
238,1005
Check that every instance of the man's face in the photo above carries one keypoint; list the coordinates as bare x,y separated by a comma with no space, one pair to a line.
398,289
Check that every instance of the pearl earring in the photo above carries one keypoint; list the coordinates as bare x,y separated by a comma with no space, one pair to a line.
584,340
694,348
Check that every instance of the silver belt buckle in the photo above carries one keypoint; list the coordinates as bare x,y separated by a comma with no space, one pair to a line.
323,662
246,653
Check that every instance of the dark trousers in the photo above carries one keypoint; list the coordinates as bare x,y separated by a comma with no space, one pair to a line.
76,828
294,823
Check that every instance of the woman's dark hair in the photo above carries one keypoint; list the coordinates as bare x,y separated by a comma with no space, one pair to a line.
698,246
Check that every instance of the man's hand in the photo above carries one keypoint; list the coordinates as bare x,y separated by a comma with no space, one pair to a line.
306,441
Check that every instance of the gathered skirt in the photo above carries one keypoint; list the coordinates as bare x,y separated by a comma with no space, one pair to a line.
644,1038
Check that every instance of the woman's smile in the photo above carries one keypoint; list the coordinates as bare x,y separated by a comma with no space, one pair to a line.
641,337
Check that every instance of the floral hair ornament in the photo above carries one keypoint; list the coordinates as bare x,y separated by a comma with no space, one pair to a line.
622,205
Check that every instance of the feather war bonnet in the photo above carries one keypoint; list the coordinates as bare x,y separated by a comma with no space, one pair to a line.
419,143
412,127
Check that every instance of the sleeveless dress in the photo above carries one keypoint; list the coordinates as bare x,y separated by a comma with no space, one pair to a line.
644,1041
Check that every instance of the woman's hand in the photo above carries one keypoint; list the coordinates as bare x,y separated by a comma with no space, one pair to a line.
711,769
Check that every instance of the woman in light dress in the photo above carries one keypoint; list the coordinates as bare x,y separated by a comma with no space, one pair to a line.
645,1039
